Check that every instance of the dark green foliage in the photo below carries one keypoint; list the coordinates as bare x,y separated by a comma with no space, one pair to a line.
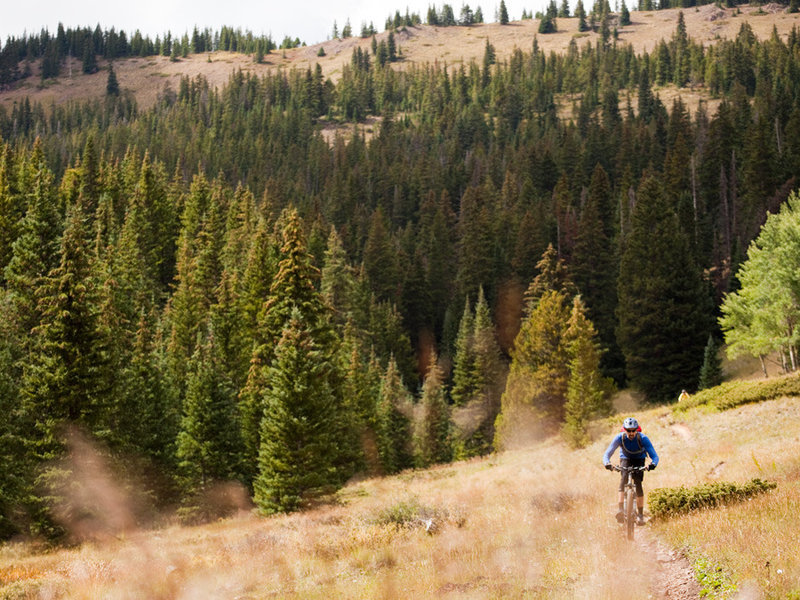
300,446
667,502
208,446
502,13
624,15
432,426
89,59
580,13
66,381
594,267
547,24
711,371
663,311
112,85
393,426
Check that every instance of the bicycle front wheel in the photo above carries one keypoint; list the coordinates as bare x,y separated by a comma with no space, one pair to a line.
630,512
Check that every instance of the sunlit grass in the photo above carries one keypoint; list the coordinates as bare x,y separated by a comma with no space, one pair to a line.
531,523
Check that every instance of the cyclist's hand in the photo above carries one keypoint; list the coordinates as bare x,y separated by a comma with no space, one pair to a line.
651,466
609,467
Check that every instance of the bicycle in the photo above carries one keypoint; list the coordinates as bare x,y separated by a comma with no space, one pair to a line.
629,499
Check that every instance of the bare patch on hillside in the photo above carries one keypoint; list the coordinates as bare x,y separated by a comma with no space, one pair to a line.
147,77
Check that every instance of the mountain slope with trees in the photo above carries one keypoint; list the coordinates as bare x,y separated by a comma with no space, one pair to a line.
217,254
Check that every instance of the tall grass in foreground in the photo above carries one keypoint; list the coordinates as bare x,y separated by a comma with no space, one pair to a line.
532,523
753,543
527,524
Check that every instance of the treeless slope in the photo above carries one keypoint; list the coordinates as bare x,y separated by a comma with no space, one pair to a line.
147,77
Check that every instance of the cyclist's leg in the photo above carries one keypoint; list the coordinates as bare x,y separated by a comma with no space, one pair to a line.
638,476
623,462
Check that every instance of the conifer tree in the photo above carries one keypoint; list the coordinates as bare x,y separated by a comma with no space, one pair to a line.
580,13
380,259
474,424
553,275
432,426
35,251
476,243
594,268
588,392
12,205
624,15
293,288
112,85
208,445
65,381
502,13
198,272
711,371
302,424
338,280
664,305
464,385
394,434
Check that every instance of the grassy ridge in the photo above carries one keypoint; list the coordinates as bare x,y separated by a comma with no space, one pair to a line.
736,393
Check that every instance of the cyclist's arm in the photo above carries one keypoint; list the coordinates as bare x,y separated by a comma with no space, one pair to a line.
648,447
610,450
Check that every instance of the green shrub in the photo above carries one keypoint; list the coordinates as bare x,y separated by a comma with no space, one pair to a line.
736,393
408,513
667,502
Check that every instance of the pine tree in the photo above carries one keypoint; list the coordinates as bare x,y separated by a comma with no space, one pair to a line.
664,307
580,13
711,371
300,432
380,259
474,424
12,205
293,288
553,275
66,381
624,15
208,443
112,85
594,267
503,13
394,434
432,426
464,385
588,392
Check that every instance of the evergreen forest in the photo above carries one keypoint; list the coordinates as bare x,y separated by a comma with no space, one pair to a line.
211,290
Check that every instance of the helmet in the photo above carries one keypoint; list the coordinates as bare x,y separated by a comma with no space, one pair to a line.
630,423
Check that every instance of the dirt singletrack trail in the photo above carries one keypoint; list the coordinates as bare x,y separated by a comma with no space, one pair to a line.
673,576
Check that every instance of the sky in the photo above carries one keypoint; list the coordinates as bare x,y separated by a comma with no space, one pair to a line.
310,20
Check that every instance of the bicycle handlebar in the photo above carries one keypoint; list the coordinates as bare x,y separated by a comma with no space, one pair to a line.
629,469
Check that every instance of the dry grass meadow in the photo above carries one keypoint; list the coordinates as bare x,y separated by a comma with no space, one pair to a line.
533,522
147,77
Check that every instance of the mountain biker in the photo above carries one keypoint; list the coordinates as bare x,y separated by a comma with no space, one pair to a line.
634,447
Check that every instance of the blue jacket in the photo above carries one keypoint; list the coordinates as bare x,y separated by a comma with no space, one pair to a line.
631,448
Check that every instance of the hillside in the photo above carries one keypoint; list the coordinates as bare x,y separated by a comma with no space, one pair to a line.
147,77
535,522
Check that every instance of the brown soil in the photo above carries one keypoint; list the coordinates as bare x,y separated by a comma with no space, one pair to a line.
147,77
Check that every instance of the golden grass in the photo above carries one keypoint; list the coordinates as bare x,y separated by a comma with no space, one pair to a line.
530,523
